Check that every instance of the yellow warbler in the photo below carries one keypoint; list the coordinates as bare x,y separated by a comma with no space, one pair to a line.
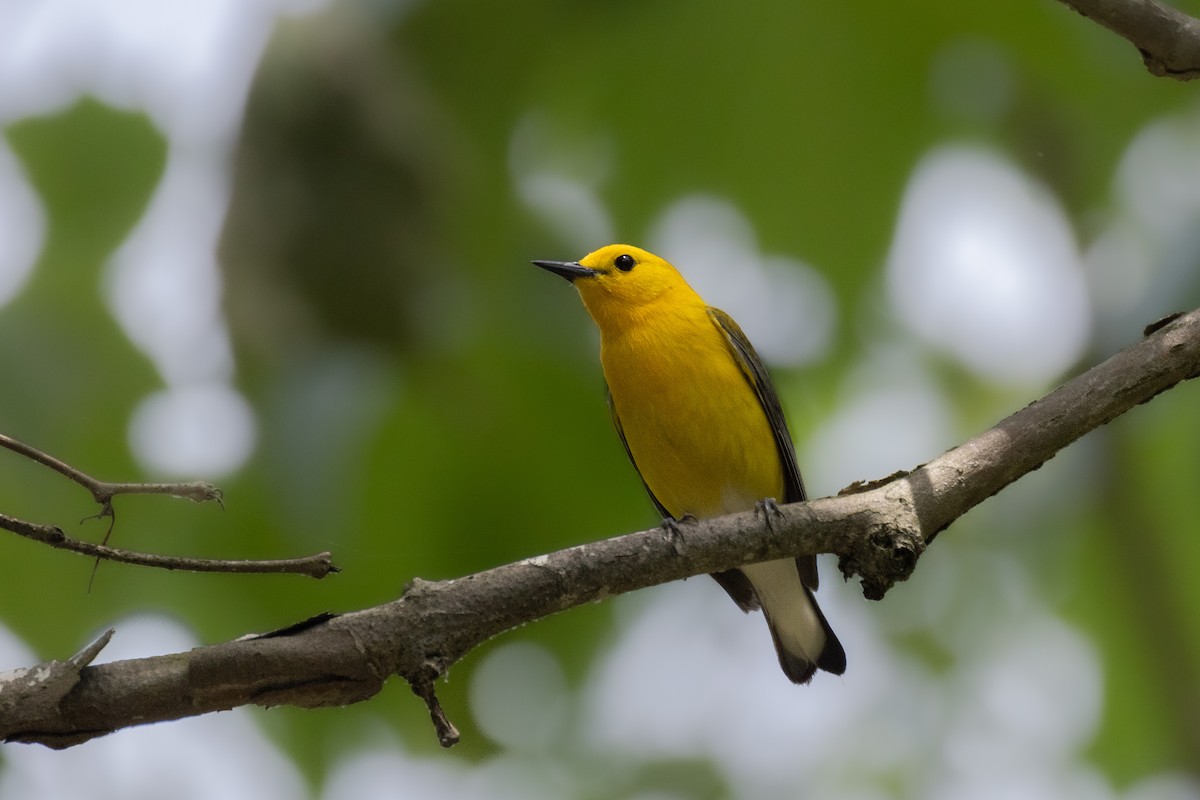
701,422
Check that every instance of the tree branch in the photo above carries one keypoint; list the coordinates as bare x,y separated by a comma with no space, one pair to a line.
314,566
878,532
1168,39
103,492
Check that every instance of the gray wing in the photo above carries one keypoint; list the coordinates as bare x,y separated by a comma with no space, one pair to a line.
756,374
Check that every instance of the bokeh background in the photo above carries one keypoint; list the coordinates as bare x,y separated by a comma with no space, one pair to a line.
283,245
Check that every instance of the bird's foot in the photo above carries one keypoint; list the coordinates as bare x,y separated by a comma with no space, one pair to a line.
768,509
673,532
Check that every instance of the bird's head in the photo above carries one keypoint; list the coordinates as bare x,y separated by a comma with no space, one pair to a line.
620,280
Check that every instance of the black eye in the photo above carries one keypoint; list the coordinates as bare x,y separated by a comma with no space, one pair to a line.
624,262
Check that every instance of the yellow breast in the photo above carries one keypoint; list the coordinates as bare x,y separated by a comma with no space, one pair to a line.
693,423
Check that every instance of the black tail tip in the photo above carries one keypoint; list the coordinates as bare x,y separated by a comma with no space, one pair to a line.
833,657
800,670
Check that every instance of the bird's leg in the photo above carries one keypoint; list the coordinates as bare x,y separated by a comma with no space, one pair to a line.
673,533
768,508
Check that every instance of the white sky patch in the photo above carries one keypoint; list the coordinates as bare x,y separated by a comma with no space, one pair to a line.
14,653
786,307
1144,259
204,428
1158,178
984,267
22,225
164,285
519,697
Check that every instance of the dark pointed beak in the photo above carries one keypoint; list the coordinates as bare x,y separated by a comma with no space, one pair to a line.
567,269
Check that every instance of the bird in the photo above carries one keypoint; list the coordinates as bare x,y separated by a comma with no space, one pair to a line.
701,422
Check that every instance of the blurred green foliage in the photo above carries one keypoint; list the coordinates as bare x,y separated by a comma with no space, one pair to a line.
430,405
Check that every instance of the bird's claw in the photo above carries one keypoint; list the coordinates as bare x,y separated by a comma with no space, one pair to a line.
673,533
768,508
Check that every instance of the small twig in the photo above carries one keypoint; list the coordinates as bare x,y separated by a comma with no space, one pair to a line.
196,491
104,491
314,566
422,687
88,654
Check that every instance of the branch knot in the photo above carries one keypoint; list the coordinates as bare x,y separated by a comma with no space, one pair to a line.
886,556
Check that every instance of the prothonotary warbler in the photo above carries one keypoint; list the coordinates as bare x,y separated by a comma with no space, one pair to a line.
701,422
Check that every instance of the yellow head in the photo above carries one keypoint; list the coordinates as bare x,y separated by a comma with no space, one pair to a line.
619,283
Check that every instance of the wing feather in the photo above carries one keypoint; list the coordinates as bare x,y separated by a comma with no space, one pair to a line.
756,374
